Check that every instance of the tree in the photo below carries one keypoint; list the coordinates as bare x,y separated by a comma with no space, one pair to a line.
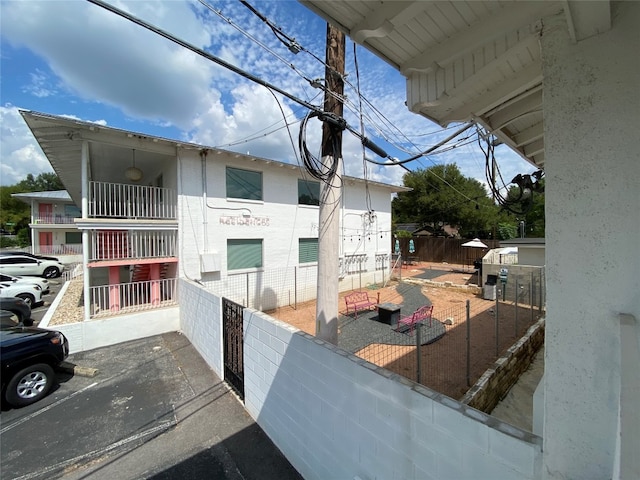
14,213
529,208
44,182
442,195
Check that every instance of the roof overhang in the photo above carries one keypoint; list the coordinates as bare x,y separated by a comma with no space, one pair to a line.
469,60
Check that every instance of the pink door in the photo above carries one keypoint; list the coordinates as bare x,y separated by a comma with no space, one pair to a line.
46,242
45,213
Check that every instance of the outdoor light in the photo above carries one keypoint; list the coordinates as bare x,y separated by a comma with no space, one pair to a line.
133,173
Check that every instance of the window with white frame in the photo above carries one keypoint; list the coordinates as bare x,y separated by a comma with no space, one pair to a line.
244,253
308,192
246,184
307,250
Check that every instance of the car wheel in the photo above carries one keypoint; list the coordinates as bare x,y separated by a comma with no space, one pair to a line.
28,299
30,385
51,272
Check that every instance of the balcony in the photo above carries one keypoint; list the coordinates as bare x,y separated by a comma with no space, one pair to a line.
118,200
132,244
61,249
53,219
108,300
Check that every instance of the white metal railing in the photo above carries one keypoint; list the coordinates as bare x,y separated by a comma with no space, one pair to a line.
61,249
124,244
133,297
119,200
53,219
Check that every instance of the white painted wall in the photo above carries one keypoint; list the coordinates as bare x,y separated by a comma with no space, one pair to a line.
278,220
92,334
592,120
334,415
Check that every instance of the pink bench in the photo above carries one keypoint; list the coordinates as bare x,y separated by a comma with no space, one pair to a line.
423,313
359,301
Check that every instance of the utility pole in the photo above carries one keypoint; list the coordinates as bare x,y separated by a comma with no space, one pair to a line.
331,193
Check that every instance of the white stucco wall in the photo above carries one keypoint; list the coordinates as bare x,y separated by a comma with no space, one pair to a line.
592,120
206,225
336,416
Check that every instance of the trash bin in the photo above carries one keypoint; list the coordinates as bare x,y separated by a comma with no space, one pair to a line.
489,289
489,292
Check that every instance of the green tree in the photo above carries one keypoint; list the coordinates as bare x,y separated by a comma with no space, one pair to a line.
442,195
44,182
15,214
528,207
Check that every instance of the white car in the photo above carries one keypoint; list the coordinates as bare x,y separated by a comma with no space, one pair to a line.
31,294
41,282
26,265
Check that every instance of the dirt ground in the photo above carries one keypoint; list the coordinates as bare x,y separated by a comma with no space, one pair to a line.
454,363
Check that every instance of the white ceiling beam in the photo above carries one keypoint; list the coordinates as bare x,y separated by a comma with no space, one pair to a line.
534,148
504,116
484,31
529,135
384,19
586,19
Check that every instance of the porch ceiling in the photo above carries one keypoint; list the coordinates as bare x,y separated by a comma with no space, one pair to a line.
110,151
468,60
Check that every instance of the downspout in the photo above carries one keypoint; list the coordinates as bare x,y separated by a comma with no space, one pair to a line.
205,222
84,170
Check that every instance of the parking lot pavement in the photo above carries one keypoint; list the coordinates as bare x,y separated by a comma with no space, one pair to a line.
155,410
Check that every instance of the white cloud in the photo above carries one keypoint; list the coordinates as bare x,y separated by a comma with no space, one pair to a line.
19,152
107,60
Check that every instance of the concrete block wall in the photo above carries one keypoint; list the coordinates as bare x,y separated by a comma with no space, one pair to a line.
494,384
201,322
335,415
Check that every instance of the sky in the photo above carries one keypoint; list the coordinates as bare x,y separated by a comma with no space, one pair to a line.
75,59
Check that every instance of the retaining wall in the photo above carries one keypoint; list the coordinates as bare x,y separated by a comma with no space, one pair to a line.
495,383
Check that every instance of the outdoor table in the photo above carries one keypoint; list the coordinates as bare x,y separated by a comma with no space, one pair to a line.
389,313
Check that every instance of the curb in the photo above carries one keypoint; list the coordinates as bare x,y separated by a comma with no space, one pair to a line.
73,369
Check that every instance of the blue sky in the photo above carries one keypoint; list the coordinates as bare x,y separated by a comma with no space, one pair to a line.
76,59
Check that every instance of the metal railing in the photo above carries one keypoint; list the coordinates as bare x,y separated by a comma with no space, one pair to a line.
118,200
61,249
107,300
126,244
53,219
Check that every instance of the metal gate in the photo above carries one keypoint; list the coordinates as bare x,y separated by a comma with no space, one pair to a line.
233,356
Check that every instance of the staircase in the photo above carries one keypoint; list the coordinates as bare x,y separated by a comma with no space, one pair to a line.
141,272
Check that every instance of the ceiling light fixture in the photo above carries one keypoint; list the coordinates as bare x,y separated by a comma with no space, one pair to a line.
133,173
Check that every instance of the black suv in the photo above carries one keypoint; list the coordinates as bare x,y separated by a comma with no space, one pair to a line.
29,356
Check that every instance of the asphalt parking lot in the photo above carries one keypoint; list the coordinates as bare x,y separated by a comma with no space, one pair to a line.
154,410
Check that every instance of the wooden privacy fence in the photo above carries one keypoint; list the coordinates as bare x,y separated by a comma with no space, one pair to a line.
440,249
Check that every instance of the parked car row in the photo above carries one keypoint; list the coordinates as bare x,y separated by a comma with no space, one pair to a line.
20,263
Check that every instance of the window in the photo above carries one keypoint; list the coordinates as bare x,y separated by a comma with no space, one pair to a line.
307,250
72,237
245,253
72,211
308,192
244,184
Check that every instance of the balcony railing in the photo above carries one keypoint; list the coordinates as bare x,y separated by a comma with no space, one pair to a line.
61,249
134,297
118,200
53,219
132,244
